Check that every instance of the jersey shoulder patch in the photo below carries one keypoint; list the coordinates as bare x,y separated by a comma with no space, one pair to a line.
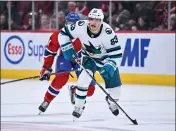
107,28
108,31
80,23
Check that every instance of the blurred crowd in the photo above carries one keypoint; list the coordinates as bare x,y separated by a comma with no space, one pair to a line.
126,15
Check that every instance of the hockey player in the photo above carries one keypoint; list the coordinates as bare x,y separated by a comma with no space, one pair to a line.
62,64
101,52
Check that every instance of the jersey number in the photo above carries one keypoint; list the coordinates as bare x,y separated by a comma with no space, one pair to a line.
95,11
114,40
72,27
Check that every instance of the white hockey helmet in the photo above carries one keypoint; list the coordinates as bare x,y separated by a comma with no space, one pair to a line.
96,13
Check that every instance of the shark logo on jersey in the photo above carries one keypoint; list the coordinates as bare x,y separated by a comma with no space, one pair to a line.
92,49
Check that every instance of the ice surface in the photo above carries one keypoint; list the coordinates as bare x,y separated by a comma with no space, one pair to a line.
152,106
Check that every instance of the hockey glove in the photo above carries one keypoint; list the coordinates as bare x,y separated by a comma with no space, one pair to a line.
108,69
68,51
45,73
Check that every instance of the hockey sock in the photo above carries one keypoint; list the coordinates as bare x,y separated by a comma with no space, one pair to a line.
57,84
80,97
90,91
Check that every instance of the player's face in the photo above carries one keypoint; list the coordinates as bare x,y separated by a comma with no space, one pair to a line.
94,24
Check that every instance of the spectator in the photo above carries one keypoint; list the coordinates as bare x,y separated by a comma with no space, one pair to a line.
28,26
15,17
115,8
24,7
44,22
81,9
130,15
123,15
44,7
126,27
134,28
141,10
173,22
141,24
114,25
71,6
114,11
61,20
131,22
159,12
173,10
3,22
105,9
2,6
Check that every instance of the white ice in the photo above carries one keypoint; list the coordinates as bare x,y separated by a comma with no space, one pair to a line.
152,106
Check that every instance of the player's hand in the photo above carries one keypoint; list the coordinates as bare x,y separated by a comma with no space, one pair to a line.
77,60
68,51
108,69
45,73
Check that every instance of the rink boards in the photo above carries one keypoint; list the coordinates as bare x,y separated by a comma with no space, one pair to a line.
148,58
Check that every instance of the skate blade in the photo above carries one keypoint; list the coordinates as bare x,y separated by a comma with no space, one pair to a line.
75,119
39,113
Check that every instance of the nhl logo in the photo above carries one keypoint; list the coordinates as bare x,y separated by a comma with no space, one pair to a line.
108,30
80,23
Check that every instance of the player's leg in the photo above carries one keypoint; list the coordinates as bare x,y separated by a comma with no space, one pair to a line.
82,86
113,85
72,89
58,82
53,90
81,93
91,89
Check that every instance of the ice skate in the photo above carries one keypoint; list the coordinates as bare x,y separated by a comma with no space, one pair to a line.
43,107
72,95
114,109
77,113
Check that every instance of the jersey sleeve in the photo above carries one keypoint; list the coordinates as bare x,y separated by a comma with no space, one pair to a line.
51,50
112,47
68,33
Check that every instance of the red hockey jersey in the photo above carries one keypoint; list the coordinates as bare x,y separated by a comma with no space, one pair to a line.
53,48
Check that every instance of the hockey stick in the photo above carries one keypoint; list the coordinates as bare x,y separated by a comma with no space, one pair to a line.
133,121
34,77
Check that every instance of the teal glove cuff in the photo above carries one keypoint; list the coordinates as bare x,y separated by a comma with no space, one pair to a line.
68,51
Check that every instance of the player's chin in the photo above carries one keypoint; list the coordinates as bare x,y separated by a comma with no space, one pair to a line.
93,29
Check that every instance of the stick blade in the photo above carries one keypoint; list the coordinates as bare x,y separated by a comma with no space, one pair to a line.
135,122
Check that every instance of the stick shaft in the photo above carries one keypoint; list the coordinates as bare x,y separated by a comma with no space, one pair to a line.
34,77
